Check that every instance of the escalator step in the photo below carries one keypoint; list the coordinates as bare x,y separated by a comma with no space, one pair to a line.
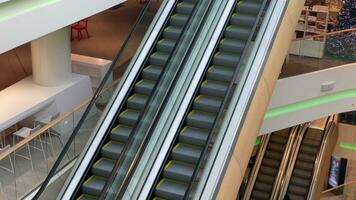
275,147
129,117
300,191
268,170
207,103
226,59
311,142
103,167
267,179
166,45
152,72
296,197
304,165
273,155
214,88
194,136
302,173
179,20
259,186
279,139
170,189
137,101
172,32
306,157
200,119
220,73
260,195
120,133
178,170
309,149
301,182
271,162
237,32
248,7
232,45
94,185
145,86
186,153
112,149
243,19
185,8
87,197
159,58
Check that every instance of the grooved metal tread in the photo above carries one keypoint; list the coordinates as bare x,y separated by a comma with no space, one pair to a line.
129,115
200,118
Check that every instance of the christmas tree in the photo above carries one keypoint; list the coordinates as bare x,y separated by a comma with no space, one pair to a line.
344,45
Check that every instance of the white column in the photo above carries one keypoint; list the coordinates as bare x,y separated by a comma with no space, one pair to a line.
51,58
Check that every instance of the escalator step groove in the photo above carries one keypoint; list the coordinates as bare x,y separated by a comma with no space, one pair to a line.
214,88
207,103
103,167
94,185
152,72
120,133
177,170
186,153
129,117
112,149
145,86
137,101
200,119
194,136
171,189
220,73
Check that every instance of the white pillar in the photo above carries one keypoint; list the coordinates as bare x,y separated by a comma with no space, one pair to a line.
51,58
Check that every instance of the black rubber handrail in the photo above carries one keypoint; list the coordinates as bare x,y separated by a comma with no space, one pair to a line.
146,139
225,102
53,170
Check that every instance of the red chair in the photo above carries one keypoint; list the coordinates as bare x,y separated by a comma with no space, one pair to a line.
79,27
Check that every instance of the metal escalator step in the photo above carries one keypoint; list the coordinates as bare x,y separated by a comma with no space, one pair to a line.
194,136
302,173
185,8
159,58
273,155
270,162
309,149
152,72
200,119
232,45
166,45
178,170
170,189
268,170
120,133
94,185
103,167
279,139
214,88
112,149
300,191
137,101
226,59
263,187
87,197
296,197
248,7
306,157
129,117
186,153
207,103
237,32
311,142
301,182
275,147
243,19
260,195
267,179
179,20
172,32
220,73
304,165
145,86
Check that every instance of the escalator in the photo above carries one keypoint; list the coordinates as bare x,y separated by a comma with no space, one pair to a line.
270,165
136,99
300,181
195,130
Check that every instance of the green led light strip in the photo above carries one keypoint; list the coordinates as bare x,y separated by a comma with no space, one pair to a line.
258,141
282,110
347,146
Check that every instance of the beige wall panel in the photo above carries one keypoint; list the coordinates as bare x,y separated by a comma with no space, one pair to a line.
346,133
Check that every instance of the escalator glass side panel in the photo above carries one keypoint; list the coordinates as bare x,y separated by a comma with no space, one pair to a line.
83,129
302,174
177,172
130,113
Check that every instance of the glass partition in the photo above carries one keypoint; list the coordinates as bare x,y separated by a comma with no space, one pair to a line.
320,52
82,131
